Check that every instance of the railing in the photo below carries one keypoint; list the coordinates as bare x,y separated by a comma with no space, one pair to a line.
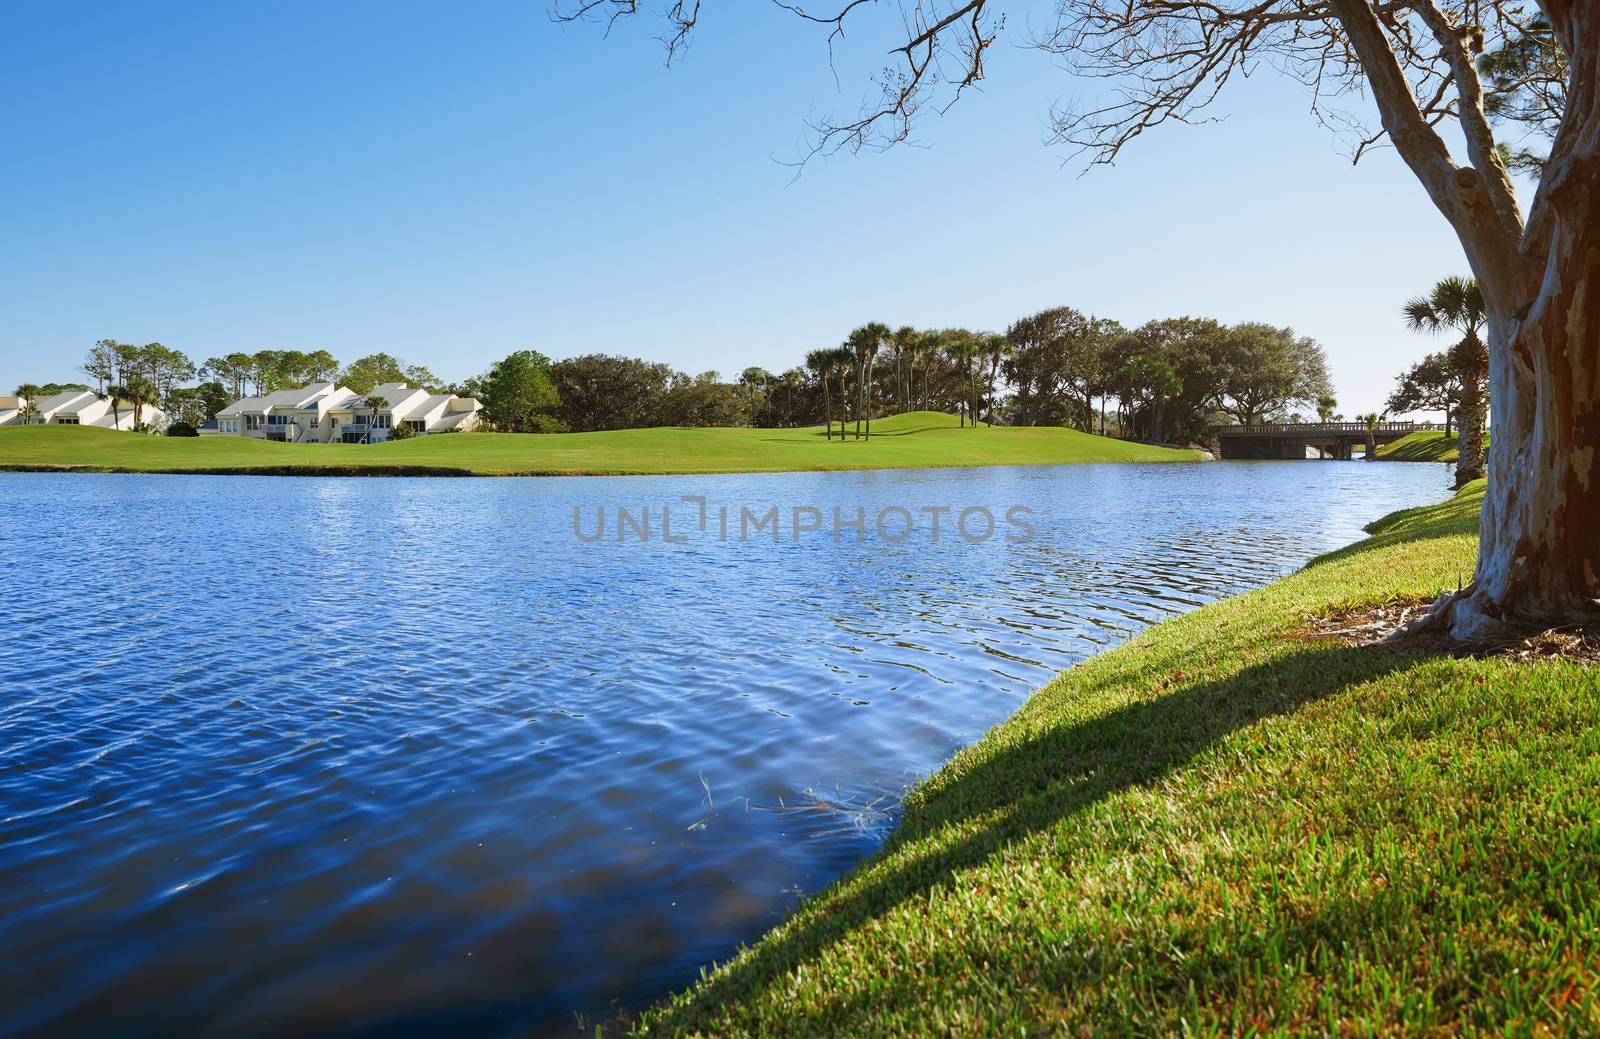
1290,428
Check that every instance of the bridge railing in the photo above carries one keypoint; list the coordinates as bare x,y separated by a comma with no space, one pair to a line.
1291,428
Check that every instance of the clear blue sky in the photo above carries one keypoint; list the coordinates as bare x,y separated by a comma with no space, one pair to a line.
449,182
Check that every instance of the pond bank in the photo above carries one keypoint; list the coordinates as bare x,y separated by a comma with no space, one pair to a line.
1222,826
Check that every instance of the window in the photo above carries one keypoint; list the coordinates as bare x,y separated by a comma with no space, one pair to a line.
383,422
67,421
252,422
417,424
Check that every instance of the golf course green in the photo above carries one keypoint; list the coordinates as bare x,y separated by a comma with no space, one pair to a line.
916,440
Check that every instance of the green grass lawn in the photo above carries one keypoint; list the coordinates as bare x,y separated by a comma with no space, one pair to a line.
916,440
1424,447
1222,829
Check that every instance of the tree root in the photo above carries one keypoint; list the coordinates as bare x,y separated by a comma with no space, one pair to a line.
1438,628
1461,616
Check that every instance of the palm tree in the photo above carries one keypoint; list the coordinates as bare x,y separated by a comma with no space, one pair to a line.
905,350
113,395
996,348
927,347
1372,418
821,364
26,394
1455,304
843,358
962,348
865,343
377,403
753,377
141,391
791,379
1325,406
861,346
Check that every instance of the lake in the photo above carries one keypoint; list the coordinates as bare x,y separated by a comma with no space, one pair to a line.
399,756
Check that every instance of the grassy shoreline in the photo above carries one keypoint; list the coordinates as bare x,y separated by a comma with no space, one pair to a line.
1424,446
1222,827
914,441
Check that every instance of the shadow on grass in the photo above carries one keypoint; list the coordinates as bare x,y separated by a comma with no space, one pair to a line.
893,431
1024,788
1143,989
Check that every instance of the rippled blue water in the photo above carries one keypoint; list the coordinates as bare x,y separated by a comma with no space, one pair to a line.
367,756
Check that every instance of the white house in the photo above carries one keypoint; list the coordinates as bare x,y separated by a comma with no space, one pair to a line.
80,408
323,413
424,412
294,416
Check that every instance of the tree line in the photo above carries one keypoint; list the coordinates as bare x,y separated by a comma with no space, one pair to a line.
1169,380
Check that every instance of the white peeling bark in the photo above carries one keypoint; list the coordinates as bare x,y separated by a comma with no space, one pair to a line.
1539,549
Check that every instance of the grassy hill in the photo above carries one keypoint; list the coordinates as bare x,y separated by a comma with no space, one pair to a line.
1223,828
916,440
1423,447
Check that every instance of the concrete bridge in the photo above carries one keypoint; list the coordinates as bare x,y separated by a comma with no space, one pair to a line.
1310,439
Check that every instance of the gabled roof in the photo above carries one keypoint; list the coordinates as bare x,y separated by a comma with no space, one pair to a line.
452,419
429,404
291,399
403,399
297,397
340,398
70,400
240,406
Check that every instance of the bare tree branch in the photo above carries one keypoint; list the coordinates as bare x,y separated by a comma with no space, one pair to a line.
1168,61
1459,47
940,58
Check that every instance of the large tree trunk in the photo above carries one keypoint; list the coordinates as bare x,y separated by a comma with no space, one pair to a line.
1539,547
1539,541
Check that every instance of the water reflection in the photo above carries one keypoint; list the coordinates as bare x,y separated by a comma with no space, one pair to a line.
280,755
